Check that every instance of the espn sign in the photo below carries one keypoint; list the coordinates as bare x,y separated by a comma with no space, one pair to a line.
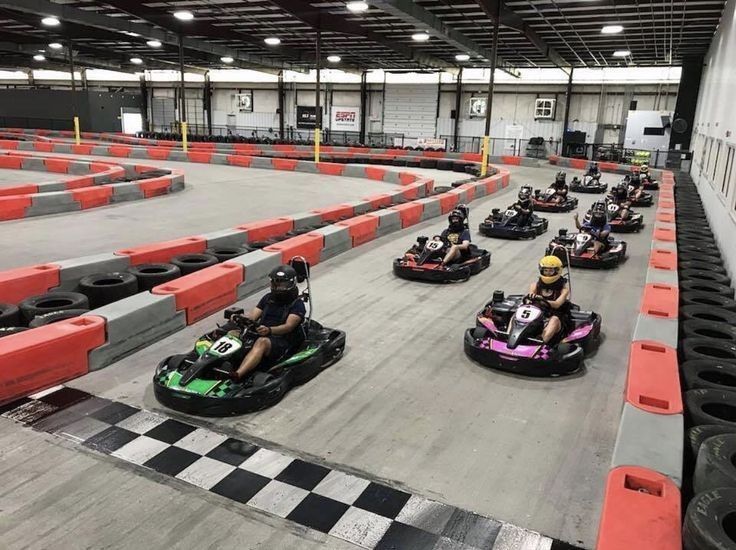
345,118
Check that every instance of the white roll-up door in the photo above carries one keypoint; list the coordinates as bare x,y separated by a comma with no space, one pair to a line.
410,110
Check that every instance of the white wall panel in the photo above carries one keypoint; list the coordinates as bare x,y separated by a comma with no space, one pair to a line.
411,110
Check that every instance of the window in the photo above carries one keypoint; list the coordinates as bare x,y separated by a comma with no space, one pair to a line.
715,163
709,148
651,131
727,173
544,108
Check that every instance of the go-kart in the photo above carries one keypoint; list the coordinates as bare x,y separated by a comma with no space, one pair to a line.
645,199
504,225
576,250
200,381
649,183
546,202
508,336
423,262
633,223
589,184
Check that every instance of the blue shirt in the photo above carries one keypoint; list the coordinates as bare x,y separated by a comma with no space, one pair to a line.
595,230
276,314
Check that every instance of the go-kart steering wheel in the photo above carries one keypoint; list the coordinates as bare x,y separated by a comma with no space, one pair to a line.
537,300
243,321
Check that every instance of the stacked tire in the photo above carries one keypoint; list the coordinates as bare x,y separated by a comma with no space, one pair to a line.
707,350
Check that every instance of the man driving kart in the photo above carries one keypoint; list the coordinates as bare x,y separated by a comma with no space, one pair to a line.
620,196
280,314
552,289
560,187
456,239
524,207
634,181
593,170
645,175
597,227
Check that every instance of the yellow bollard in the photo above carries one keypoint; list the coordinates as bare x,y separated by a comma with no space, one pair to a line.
317,139
76,130
484,153
184,136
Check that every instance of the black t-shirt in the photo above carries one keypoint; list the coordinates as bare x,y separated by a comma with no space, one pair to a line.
276,314
456,237
551,292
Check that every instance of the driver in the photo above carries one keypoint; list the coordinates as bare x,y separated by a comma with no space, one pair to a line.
524,206
552,287
457,236
620,196
280,314
593,170
560,187
635,182
645,175
597,227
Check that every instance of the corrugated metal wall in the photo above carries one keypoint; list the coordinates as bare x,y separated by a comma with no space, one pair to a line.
411,110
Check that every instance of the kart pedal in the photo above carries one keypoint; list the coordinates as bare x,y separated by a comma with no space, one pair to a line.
226,369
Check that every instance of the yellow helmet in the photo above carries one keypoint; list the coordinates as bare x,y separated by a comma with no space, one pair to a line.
550,269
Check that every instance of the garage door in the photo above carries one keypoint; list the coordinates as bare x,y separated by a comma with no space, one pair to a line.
410,110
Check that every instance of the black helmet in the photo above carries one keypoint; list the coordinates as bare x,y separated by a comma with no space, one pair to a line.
561,177
283,284
525,193
594,166
456,219
599,207
597,218
622,187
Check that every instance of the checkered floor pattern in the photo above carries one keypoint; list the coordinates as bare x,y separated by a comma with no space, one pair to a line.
363,512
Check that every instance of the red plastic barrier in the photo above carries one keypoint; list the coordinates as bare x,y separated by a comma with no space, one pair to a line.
554,159
378,201
119,150
665,216
239,160
664,234
362,228
493,184
14,207
8,144
97,167
284,147
660,300
411,192
508,159
330,168
22,189
469,189
406,178
20,283
159,153
78,183
57,165
43,357
607,166
82,149
335,212
373,173
265,229
410,213
284,164
653,382
579,164
199,156
155,186
43,146
309,245
205,291
475,157
641,511
666,204
663,259
11,163
91,197
163,251
448,202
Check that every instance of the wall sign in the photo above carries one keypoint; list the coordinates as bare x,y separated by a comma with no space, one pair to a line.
477,107
245,101
306,117
345,118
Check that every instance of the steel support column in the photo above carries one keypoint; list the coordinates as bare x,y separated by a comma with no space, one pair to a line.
281,93
207,102
568,100
458,106
144,104
363,105
182,93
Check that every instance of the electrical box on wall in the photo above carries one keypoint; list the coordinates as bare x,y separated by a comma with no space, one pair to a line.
544,108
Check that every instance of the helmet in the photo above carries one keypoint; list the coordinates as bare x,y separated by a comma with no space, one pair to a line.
598,218
456,219
644,169
622,187
283,284
561,177
598,206
550,269
594,166
525,193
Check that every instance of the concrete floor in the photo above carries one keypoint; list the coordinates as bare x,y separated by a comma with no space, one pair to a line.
406,405
9,178
216,197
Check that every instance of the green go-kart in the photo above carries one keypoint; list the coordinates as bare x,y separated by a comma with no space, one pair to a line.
200,382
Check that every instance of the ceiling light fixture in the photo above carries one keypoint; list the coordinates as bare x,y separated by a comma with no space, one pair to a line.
133,34
357,7
420,36
612,29
227,59
39,57
55,46
333,58
136,60
50,21
154,43
272,41
184,15
621,53
462,57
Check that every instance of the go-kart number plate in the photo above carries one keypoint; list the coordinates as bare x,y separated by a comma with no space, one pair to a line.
510,213
227,345
434,245
613,208
581,238
527,314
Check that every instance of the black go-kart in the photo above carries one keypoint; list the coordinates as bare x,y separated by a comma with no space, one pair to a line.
423,262
200,381
576,250
649,184
632,224
645,200
547,202
589,184
504,225
508,337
